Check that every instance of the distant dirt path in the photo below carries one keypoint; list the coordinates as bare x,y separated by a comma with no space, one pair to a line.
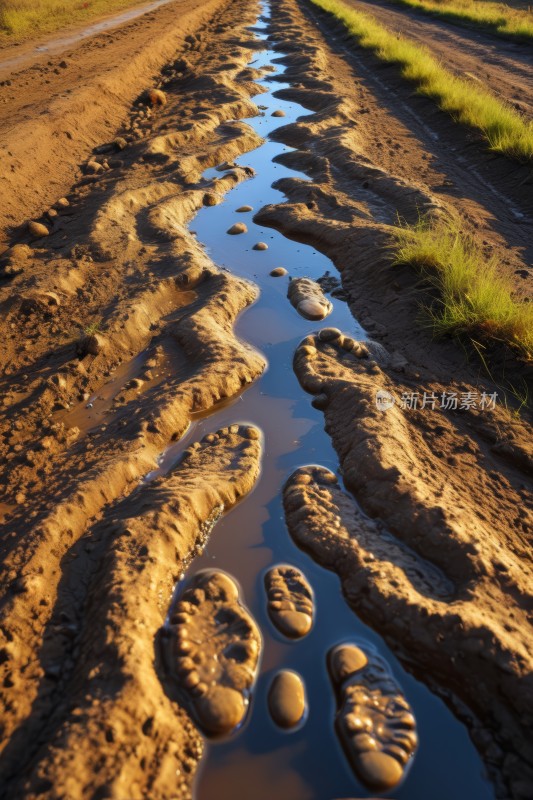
505,67
53,112
21,54
408,135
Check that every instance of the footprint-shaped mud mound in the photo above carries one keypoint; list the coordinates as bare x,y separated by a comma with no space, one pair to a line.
290,601
374,720
215,651
308,299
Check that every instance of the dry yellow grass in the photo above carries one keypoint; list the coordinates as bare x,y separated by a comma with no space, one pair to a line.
22,19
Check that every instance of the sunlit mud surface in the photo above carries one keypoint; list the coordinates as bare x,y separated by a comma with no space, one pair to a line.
259,759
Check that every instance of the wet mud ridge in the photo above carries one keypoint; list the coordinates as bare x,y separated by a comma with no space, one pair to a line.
167,360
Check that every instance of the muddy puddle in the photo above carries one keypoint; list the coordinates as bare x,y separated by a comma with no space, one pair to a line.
260,760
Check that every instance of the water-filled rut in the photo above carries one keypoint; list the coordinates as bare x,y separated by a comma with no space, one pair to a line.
259,759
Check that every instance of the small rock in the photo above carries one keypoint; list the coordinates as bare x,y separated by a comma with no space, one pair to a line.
286,699
239,227
93,168
243,209
155,97
90,344
120,143
211,199
37,230
278,272
19,252
278,113
260,246
63,202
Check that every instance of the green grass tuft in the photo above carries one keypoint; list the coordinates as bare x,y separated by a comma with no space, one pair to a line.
504,128
473,296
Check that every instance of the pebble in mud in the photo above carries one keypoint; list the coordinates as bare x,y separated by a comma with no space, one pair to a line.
244,209
37,230
308,299
374,721
239,227
278,272
290,601
155,97
215,651
286,699
260,246
278,113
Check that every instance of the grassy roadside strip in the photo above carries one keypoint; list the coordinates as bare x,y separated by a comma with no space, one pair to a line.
497,18
473,297
22,19
504,128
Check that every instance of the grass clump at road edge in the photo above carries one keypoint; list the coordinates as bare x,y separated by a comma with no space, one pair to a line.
504,128
496,17
473,296
22,19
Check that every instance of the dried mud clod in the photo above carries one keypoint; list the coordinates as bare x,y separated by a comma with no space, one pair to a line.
290,601
374,720
308,299
216,647
286,699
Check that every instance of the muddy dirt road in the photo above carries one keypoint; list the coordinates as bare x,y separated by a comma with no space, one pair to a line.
504,66
173,426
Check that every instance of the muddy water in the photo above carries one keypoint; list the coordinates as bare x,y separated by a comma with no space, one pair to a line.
259,760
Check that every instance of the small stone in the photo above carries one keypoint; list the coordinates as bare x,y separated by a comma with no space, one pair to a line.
278,113
260,246
63,202
239,227
155,97
37,230
19,252
278,272
120,143
243,209
286,699
90,344
93,168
